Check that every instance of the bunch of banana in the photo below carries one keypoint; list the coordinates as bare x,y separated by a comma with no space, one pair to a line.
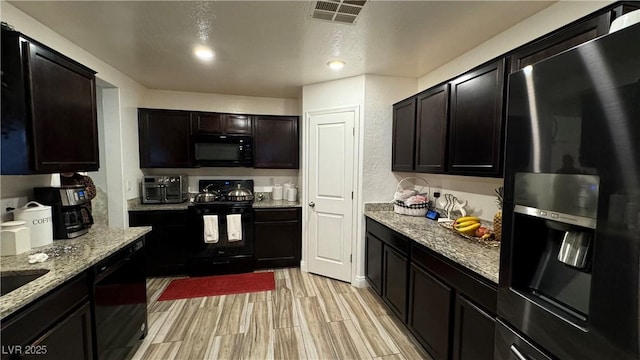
467,225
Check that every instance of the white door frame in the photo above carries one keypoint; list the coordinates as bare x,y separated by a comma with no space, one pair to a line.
355,186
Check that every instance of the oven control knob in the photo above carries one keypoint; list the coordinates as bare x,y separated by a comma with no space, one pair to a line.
312,204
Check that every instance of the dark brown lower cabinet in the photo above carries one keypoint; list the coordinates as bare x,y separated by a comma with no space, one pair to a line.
74,329
394,283
373,262
430,304
57,326
277,237
166,245
475,331
447,307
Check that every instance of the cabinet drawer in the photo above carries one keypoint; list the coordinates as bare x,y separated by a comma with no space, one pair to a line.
390,237
160,217
29,323
284,214
479,290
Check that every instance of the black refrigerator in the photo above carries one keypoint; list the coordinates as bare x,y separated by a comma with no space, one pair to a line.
569,275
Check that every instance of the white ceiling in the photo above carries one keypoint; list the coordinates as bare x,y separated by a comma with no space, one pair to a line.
273,48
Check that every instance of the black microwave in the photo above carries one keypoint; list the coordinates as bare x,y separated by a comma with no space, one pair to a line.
223,150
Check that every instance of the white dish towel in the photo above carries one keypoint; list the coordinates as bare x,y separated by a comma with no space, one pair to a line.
234,227
210,228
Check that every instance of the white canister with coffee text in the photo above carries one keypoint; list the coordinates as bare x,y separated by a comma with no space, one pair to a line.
37,218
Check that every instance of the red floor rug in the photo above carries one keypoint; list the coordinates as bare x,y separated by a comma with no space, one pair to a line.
218,285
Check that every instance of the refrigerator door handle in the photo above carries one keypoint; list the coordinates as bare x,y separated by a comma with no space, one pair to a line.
518,353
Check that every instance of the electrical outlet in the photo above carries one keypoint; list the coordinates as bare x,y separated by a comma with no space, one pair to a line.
9,204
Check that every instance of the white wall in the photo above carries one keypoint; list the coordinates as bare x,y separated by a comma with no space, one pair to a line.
130,93
479,191
381,92
551,18
263,179
163,99
121,127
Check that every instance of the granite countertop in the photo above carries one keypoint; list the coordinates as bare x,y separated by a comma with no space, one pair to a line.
481,259
257,204
270,203
134,205
67,258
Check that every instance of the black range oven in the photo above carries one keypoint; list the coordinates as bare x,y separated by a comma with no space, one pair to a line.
220,232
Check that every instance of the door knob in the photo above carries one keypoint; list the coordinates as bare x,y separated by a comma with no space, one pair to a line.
312,204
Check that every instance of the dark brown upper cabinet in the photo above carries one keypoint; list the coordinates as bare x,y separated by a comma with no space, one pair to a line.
476,121
208,122
556,43
276,142
404,130
48,110
431,130
569,36
164,137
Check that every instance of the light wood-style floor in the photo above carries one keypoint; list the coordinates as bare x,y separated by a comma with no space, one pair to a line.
305,317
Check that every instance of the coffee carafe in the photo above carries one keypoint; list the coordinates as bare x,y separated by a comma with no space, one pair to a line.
70,209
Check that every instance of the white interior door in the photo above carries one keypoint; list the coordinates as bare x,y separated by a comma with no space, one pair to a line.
330,193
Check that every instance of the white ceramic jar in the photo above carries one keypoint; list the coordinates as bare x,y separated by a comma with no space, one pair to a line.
14,238
292,194
277,192
38,219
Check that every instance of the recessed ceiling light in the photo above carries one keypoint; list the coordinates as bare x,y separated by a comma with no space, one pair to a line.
336,64
203,53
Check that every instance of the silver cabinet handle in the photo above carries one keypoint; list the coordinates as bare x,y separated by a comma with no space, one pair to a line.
312,204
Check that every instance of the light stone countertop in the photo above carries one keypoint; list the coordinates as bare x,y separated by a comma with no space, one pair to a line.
136,205
86,250
481,259
264,203
269,203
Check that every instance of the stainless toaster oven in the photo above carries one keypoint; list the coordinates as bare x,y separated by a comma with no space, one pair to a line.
164,189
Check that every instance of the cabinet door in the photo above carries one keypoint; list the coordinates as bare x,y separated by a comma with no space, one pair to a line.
70,338
237,124
394,283
430,312
431,130
474,332
205,122
15,140
560,41
63,109
373,262
475,128
275,142
277,238
209,122
164,138
403,136
166,244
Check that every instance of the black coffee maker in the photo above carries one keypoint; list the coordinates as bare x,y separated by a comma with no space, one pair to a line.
70,209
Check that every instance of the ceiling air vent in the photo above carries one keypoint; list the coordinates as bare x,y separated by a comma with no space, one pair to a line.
343,11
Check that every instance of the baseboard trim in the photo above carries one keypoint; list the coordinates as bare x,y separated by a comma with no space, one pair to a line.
303,266
360,282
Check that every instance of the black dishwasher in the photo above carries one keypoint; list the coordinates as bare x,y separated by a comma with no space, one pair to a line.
120,303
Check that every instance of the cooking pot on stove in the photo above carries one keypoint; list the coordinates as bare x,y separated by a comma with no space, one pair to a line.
207,196
240,193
